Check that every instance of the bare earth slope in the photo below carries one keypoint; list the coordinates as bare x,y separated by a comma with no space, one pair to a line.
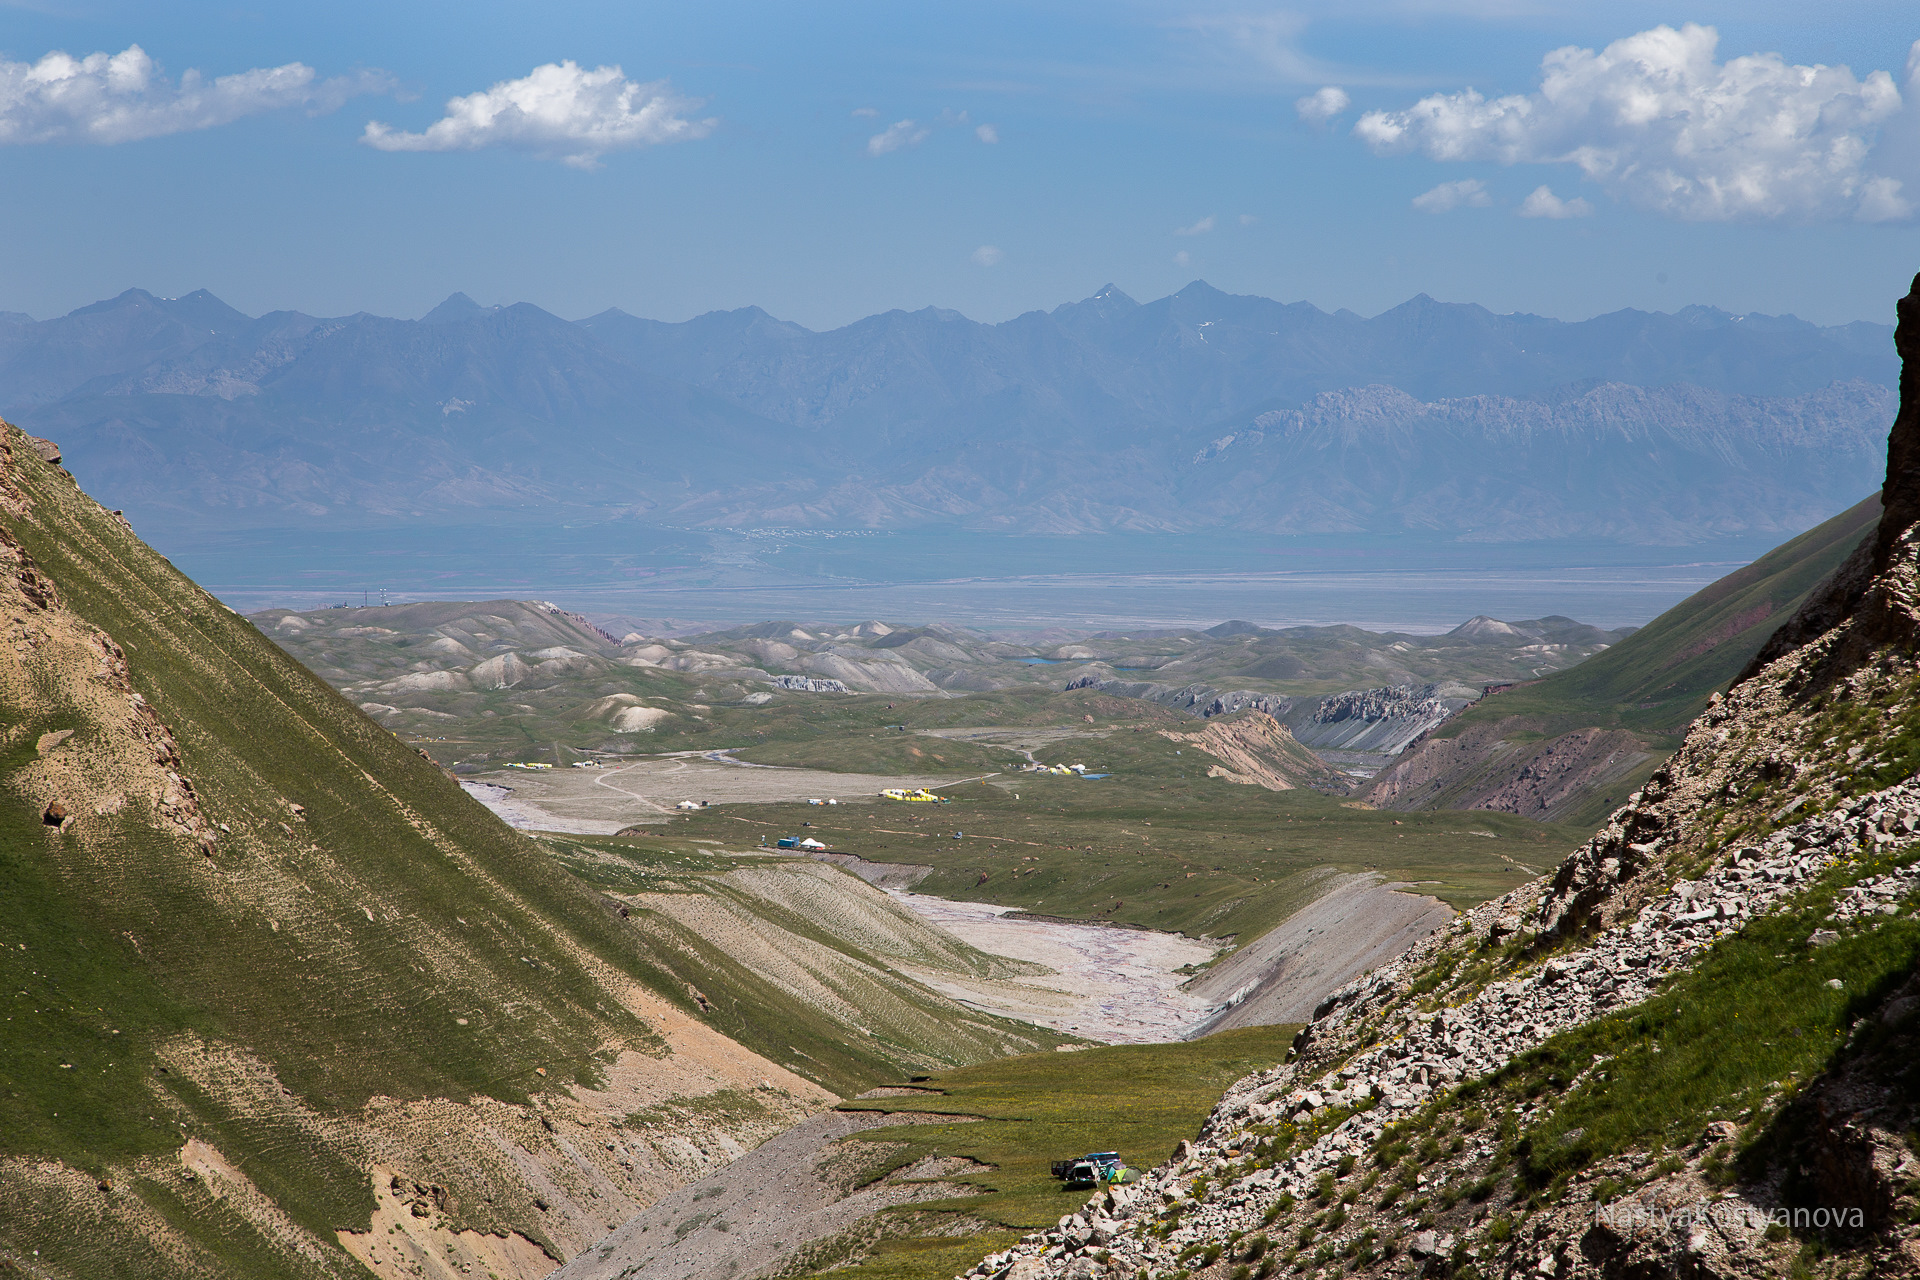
1356,925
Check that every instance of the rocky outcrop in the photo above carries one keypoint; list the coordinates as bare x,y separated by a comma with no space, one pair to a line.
1255,748
1843,593
1368,1062
808,684
1201,700
1383,720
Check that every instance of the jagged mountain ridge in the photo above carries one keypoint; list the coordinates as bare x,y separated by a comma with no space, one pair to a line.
1087,417
1613,461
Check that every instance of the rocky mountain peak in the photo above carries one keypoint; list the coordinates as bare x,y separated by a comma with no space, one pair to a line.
457,308
1901,496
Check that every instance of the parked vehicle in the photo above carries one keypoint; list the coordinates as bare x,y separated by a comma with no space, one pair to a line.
1097,1168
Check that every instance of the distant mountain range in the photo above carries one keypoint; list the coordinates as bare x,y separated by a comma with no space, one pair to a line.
1203,410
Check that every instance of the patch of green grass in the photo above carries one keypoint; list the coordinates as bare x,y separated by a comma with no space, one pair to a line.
1732,1039
1140,1100
81,1016
722,1106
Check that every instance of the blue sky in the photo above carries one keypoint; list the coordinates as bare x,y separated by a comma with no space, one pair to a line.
759,154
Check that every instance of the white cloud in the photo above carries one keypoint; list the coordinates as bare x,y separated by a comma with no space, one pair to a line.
901,133
1322,104
1656,121
121,97
1542,203
987,133
1470,192
1199,228
558,109
866,113
989,255
1182,259
1248,219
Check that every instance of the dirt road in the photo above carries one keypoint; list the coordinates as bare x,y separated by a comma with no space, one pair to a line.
602,801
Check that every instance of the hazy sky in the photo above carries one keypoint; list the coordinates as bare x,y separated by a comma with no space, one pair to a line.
828,161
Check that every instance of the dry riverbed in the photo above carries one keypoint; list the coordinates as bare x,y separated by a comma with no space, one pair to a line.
1109,984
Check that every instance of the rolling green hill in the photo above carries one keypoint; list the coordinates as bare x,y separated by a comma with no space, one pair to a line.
1567,747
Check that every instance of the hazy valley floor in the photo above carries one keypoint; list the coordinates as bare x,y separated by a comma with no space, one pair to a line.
996,582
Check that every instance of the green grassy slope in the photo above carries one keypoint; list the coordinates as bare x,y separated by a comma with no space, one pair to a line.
1140,1100
358,936
1571,746
904,1027
381,826
1658,679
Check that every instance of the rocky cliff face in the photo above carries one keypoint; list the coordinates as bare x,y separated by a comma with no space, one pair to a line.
1690,1051
1382,721
1198,699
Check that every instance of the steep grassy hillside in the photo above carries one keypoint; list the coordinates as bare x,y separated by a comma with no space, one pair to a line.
1659,678
281,996
1570,745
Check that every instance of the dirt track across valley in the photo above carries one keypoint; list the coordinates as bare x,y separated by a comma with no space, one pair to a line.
602,801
